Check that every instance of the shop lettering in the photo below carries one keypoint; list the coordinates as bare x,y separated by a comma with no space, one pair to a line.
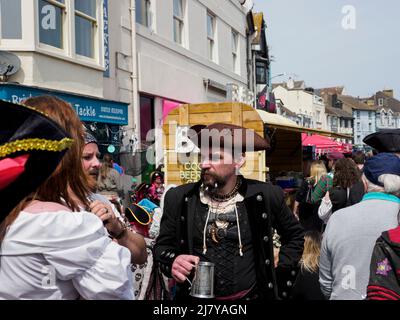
85,111
190,172
18,99
116,111
111,110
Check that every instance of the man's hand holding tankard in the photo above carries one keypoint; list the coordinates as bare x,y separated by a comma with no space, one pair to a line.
183,266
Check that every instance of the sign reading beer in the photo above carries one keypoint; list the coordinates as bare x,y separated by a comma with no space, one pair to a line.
190,173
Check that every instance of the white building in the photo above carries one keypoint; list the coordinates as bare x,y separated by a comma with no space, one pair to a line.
143,56
309,107
62,48
188,51
364,117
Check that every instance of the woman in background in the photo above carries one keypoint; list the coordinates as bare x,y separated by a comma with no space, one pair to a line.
304,210
307,285
348,189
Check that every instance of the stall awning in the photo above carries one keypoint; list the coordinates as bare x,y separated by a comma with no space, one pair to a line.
280,122
324,144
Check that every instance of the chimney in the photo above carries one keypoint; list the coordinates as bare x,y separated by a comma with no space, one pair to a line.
389,93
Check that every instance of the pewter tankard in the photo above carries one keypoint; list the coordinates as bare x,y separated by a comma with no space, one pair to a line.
203,281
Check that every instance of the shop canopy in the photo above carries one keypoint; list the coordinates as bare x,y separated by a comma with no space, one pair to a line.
280,122
324,144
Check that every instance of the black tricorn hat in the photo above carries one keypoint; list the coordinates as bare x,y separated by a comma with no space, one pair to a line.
387,140
229,136
136,213
31,147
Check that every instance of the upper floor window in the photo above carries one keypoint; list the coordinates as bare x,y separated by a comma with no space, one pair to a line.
211,36
261,73
235,44
57,18
51,22
178,21
358,114
380,102
10,17
85,27
143,12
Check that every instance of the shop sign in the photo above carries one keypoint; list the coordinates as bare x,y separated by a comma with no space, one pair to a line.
106,40
190,173
88,109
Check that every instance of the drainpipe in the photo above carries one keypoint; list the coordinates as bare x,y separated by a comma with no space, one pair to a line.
135,122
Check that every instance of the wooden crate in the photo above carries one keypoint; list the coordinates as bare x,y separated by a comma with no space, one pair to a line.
180,168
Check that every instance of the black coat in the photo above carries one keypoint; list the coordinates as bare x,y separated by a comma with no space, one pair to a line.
384,279
307,286
266,209
308,212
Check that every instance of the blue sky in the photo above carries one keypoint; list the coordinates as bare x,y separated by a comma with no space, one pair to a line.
307,39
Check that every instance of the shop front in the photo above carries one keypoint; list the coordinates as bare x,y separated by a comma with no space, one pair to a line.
104,118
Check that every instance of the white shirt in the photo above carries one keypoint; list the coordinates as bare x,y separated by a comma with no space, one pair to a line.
63,255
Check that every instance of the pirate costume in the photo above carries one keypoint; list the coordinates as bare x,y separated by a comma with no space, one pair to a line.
234,231
49,252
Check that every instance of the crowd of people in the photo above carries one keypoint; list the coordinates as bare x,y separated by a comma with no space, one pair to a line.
67,231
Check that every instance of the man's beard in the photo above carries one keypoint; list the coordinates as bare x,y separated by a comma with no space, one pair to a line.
212,181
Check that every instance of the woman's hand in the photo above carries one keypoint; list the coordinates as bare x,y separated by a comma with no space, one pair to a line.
106,214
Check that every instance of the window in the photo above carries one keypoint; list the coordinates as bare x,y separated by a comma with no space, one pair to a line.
261,73
51,22
380,102
369,114
178,21
358,126
85,27
58,18
10,17
143,12
235,44
210,36
358,114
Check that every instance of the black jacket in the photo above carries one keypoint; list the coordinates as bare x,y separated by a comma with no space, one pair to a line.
266,209
384,280
307,286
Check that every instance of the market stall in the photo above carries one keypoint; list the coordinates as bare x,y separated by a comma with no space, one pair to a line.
181,159
324,145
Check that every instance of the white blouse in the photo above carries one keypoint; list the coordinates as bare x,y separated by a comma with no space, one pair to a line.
63,255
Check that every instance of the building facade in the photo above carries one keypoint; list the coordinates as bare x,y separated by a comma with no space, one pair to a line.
364,118
387,109
62,50
309,107
188,51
